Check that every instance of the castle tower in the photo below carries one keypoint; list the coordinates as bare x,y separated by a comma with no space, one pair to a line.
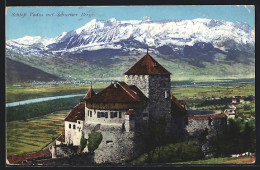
89,94
154,81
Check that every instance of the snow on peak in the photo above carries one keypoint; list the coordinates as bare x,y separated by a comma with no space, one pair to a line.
88,25
103,34
146,19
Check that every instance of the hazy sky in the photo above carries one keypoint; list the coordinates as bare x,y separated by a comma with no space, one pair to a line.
18,25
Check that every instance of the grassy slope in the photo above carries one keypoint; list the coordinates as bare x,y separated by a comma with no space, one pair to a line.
20,72
33,135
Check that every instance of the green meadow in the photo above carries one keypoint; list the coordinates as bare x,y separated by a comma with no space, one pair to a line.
34,134
20,93
216,91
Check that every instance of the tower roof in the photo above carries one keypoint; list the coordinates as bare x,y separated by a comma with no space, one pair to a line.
147,66
90,93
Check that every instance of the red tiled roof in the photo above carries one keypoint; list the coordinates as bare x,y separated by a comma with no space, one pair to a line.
61,138
176,108
29,156
117,96
147,66
182,102
208,116
90,93
130,112
77,113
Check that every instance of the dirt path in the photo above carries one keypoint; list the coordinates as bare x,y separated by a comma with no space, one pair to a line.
247,160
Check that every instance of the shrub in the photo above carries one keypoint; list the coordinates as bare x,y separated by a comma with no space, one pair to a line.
170,153
94,140
83,142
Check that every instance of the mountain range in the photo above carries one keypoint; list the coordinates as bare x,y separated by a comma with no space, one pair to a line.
189,49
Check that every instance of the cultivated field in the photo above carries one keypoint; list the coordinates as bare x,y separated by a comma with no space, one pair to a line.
34,134
216,91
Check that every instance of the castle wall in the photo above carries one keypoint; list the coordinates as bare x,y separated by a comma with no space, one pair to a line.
140,81
159,95
157,89
196,126
117,145
91,116
73,132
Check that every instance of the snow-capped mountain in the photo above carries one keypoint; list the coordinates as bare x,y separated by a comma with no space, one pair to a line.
115,34
203,48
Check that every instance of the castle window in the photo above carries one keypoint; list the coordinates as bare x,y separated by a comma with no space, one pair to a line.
166,94
109,142
106,114
98,115
74,127
102,114
210,122
70,126
113,114
78,122
90,113
120,115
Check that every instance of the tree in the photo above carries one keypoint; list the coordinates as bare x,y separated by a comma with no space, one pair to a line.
83,142
202,137
154,136
248,138
94,140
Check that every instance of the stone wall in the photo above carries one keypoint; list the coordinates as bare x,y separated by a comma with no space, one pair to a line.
76,159
196,126
156,88
117,145
140,81
175,129
63,150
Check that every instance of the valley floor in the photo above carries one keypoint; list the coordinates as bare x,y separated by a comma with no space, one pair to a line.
34,134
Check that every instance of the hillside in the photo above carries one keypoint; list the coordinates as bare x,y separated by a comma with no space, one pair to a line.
19,72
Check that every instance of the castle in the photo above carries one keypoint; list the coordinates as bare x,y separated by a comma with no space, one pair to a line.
121,111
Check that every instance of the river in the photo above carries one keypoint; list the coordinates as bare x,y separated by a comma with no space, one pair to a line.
40,100
74,95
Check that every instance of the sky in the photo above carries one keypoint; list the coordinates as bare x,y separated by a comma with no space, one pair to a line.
33,21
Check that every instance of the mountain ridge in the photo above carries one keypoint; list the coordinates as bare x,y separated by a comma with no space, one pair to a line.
198,44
